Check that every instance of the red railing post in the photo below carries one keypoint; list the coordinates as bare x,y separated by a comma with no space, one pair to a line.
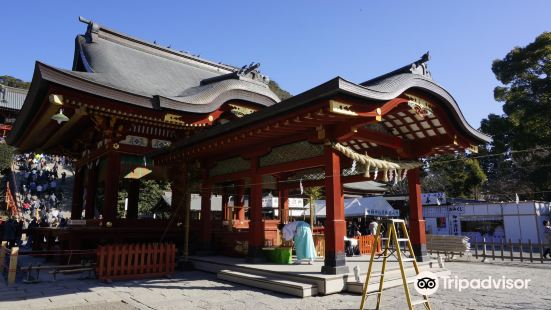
142,260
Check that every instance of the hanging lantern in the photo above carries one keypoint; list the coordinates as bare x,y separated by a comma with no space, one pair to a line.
60,117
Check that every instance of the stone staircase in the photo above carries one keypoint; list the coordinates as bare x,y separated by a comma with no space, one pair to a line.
305,283
272,283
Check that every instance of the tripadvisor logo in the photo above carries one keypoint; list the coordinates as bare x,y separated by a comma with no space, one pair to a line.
427,283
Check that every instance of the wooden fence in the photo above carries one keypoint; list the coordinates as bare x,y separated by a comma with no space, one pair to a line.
135,261
506,250
366,243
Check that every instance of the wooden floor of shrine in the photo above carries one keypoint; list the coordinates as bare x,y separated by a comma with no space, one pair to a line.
307,280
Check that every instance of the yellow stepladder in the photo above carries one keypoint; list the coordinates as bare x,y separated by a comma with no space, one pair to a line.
392,234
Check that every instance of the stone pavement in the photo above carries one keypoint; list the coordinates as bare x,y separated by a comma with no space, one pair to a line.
198,290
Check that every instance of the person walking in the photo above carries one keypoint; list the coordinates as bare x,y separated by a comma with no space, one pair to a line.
547,238
18,231
32,225
373,226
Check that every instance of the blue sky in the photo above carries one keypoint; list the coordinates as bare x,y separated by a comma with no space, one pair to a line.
300,44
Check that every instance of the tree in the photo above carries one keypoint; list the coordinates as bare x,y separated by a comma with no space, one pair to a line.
14,82
151,192
281,93
6,158
314,193
525,74
456,175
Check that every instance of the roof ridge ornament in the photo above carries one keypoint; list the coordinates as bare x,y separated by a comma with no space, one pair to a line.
93,28
248,72
420,66
246,69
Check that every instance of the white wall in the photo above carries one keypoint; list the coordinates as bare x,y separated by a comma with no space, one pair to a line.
521,221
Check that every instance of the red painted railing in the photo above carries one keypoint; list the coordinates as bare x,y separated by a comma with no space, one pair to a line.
135,261
366,244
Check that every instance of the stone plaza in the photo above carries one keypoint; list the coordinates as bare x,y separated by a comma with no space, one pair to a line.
198,290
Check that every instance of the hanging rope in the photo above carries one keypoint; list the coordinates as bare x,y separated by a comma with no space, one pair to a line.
391,170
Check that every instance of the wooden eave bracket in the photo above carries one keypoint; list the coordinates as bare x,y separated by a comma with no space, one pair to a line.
341,108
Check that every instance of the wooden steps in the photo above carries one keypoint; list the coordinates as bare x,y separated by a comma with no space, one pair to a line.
229,268
272,283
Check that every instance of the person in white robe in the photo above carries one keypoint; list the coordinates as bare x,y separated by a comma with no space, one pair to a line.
301,234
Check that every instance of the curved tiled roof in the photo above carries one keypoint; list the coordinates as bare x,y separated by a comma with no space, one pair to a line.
114,60
386,88
210,96
392,86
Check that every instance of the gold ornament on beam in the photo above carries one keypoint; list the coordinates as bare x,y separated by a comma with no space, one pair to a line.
56,99
174,119
379,116
419,105
341,108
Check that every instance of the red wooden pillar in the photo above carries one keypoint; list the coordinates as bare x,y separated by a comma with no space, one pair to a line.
256,227
283,202
76,206
91,186
206,218
111,192
133,198
335,225
416,221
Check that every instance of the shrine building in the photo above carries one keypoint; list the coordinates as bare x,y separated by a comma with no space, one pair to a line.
128,108
11,101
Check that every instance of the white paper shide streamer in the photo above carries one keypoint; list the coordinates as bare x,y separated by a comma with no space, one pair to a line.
391,170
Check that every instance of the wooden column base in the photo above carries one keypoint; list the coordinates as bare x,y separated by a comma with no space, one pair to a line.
418,239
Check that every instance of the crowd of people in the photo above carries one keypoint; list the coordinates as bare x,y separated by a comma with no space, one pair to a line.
39,181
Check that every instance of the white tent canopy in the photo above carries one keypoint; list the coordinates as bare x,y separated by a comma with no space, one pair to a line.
354,207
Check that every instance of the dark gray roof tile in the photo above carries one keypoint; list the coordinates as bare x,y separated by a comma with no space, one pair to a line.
115,60
12,98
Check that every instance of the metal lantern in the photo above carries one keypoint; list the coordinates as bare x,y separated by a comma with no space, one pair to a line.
60,117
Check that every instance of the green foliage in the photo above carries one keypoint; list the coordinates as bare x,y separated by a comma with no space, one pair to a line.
6,157
314,193
525,73
281,93
123,194
13,82
151,192
457,175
